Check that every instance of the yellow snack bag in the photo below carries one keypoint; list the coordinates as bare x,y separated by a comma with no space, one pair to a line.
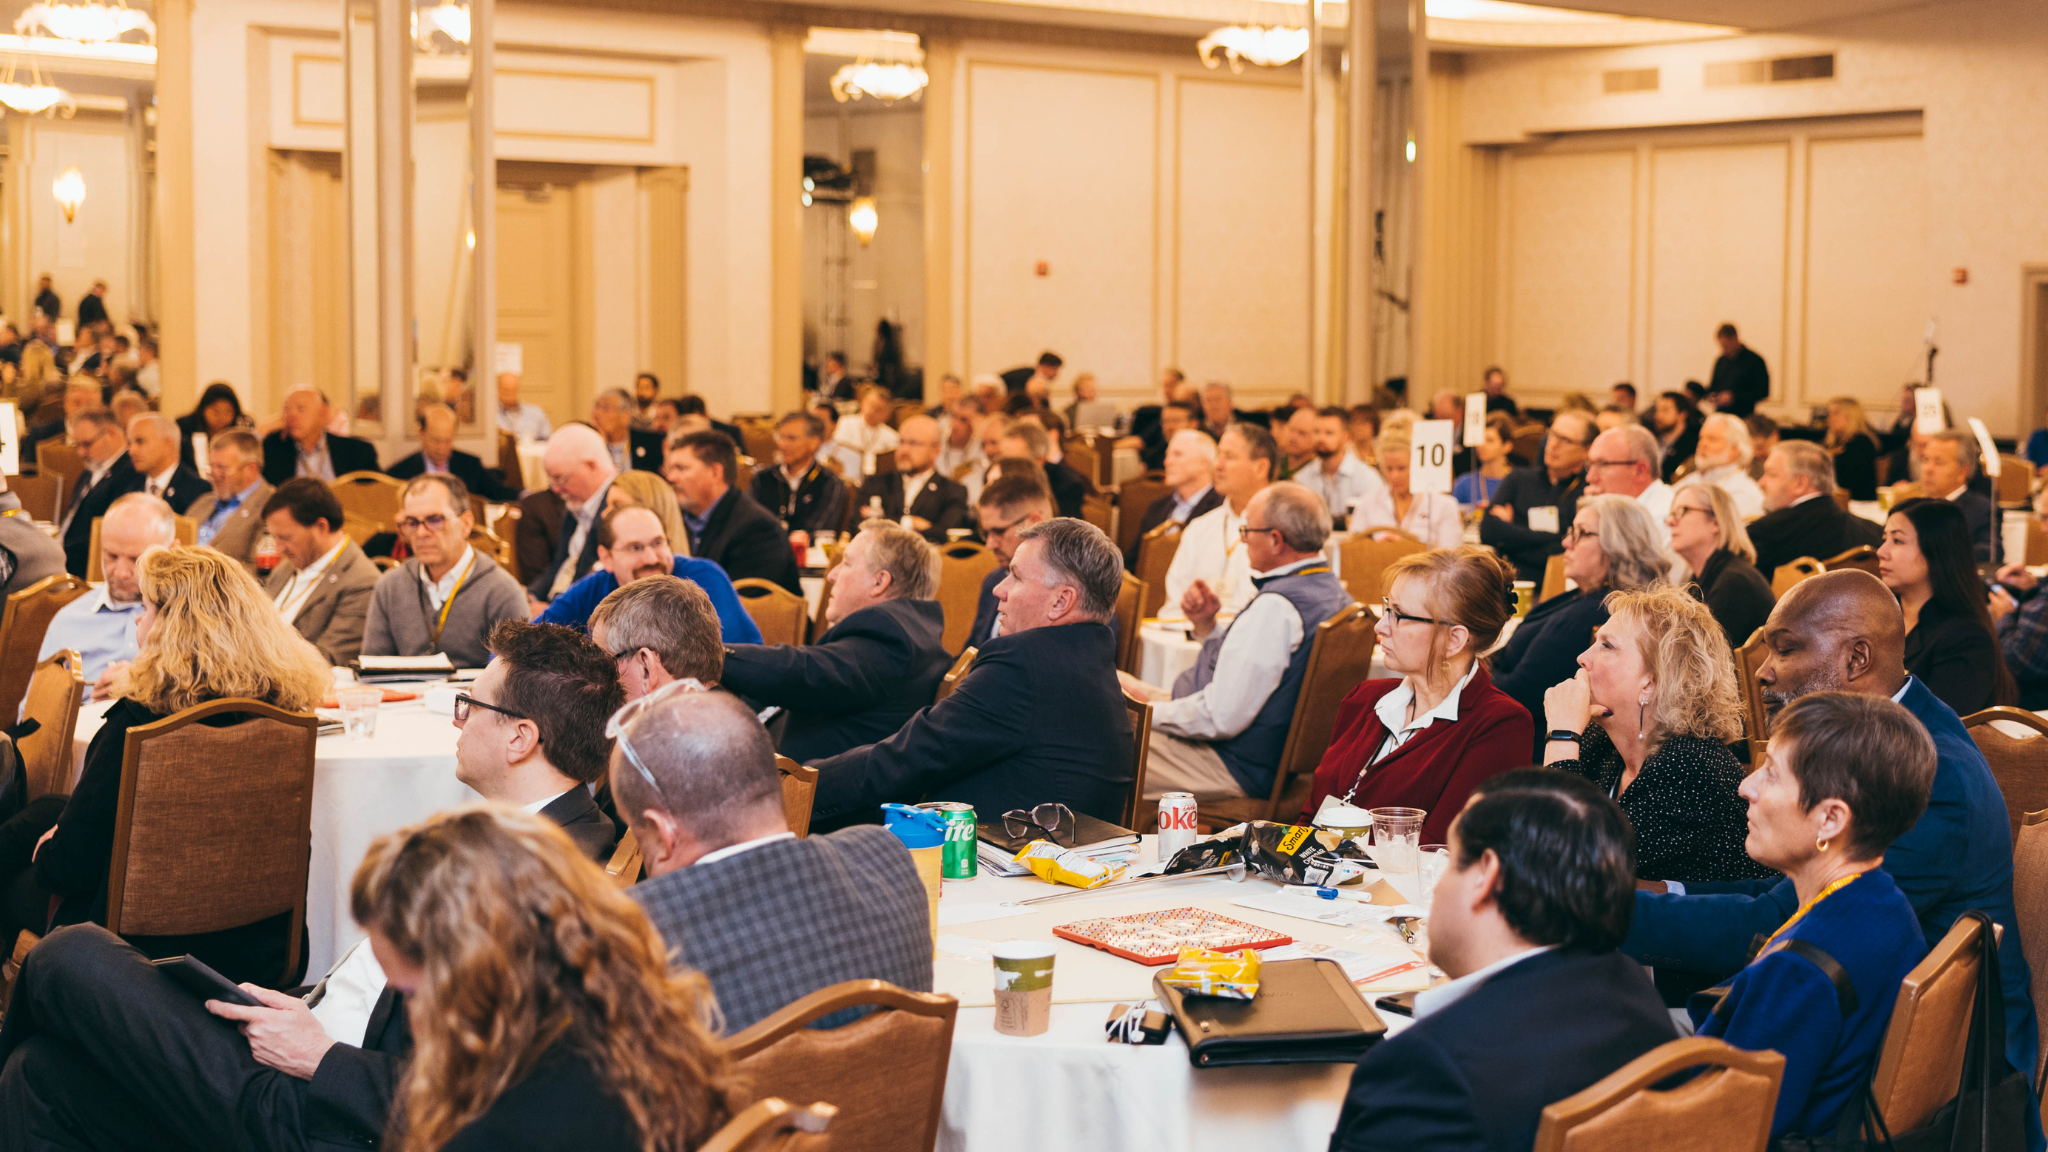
1056,865
1201,972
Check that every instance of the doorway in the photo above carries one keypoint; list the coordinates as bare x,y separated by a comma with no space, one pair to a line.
539,282
2033,350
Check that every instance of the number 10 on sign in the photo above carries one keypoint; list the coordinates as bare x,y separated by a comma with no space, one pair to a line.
1429,463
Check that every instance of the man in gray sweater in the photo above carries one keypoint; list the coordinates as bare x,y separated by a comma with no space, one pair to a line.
448,596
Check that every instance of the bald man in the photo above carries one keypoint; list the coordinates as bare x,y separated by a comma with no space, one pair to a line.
525,421
1842,632
580,471
438,454
915,495
304,446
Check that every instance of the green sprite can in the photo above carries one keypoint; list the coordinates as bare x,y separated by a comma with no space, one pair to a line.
960,862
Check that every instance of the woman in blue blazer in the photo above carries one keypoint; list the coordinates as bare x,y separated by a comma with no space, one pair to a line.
1846,775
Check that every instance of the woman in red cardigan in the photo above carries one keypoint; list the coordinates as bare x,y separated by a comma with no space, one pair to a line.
1426,740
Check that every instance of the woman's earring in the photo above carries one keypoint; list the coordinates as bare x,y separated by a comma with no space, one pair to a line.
1641,706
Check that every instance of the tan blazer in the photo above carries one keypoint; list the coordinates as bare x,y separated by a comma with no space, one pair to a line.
338,607
244,527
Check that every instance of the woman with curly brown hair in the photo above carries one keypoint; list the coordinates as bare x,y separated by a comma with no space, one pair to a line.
1648,719
544,1012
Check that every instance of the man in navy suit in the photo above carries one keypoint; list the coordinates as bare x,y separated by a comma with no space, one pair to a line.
931,503
1009,504
153,453
726,526
304,446
1540,1005
108,476
438,453
1842,632
1038,718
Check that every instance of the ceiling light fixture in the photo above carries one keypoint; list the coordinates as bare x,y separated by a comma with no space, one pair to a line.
89,22
69,189
36,96
441,29
1268,47
888,66
885,82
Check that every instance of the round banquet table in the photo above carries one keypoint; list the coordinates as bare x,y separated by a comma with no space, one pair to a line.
361,790
1072,1090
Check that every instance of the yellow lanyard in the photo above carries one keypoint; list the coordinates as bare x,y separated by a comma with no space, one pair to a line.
1230,537
1819,896
469,562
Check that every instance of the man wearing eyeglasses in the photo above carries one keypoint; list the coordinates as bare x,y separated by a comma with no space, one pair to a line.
1624,462
633,545
1220,732
1009,504
448,596
108,474
1525,523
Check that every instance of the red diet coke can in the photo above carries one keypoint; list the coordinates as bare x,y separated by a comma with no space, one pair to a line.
1176,823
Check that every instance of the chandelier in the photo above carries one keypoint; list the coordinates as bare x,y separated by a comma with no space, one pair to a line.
34,97
1268,47
885,82
441,29
86,22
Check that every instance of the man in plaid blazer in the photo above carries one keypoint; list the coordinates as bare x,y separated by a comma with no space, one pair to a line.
766,917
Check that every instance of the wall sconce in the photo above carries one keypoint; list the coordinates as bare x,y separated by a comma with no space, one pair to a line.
69,189
862,218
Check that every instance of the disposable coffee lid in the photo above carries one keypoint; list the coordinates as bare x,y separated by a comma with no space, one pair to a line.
1343,816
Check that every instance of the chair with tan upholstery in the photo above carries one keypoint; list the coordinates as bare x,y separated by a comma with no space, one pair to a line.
1862,557
1553,579
40,495
1140,712
61,460
834,553
1921,1063
885,1072
2019,763
509,462
1529,441
1790,573
185,530
774,1125
626,863
1340,658
1362,561
780,614
956,673
2014,482
963,565
202,842
799,792
1155,557
371,495
2030,908
1133,497
22,624
1130,597
1080,455
1097,510
2037,541
1726,1107
54,694
1755,719
885,462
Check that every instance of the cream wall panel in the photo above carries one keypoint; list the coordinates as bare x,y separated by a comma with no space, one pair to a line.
96,244
1717,253
1569,219
1062,168
1866,300
1241,306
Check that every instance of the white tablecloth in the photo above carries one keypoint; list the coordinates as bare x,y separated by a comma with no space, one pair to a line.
361,790
1168,652
532,476
1071,1090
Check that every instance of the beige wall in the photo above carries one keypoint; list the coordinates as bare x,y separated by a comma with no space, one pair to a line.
101,243
884,280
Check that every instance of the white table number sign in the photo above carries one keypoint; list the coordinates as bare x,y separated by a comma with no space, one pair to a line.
1475,419
1429,461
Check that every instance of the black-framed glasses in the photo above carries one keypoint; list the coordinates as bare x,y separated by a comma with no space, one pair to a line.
1389,612
615,728
1244,531
1591,463
411,524
1055,820
1574,534
464,703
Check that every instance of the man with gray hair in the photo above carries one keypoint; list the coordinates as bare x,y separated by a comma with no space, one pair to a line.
1800,516
1948,463
305,445
100,625
1721,458
153,451
580,471
766,917
660,629
879,663
1038,718
1625,461
612,415
1220,732
1191,487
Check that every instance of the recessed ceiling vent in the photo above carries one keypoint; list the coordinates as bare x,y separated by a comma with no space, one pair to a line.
1629,80
1782,70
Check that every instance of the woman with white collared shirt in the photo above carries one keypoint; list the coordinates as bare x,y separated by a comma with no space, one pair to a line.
1433,517
1429,738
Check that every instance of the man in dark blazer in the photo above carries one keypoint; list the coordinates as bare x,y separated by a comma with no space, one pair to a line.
1047,368
1948,467
1540,1005
304,446
153,454
1741,380
766,917
1009,504
1039,716
879,663
1533,506
580,475
691,404
1842,631
438,453
1800,516
806,496
612,415
107,477
1192,474
940,503
726,526
1028,438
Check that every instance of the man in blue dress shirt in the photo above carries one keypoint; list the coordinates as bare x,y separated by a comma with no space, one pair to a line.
632,544
100,625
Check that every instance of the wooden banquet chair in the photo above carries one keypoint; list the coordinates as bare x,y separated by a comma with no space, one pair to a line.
1553,579
1133,498
185,532
1362,561
1755,719
2030,910
371,495
1790,573
22,624
779,613
41,495
1726,1107
1921,1064
194,814
885,1072
1863,558
834,553
1529,442
2014,483
2018,763
54,693
1140,712
509,463
1081,457
1841,498
61,460
1155,557
774,1125
1130,597
884,462
1097,510
1341,657
956,673
626,863
799,792
963,565
2037,542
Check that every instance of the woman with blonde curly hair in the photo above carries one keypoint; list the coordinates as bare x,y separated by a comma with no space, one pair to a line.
1648,719
544,1012
206,632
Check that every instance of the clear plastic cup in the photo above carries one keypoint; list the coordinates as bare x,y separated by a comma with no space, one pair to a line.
359,711
1396,838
